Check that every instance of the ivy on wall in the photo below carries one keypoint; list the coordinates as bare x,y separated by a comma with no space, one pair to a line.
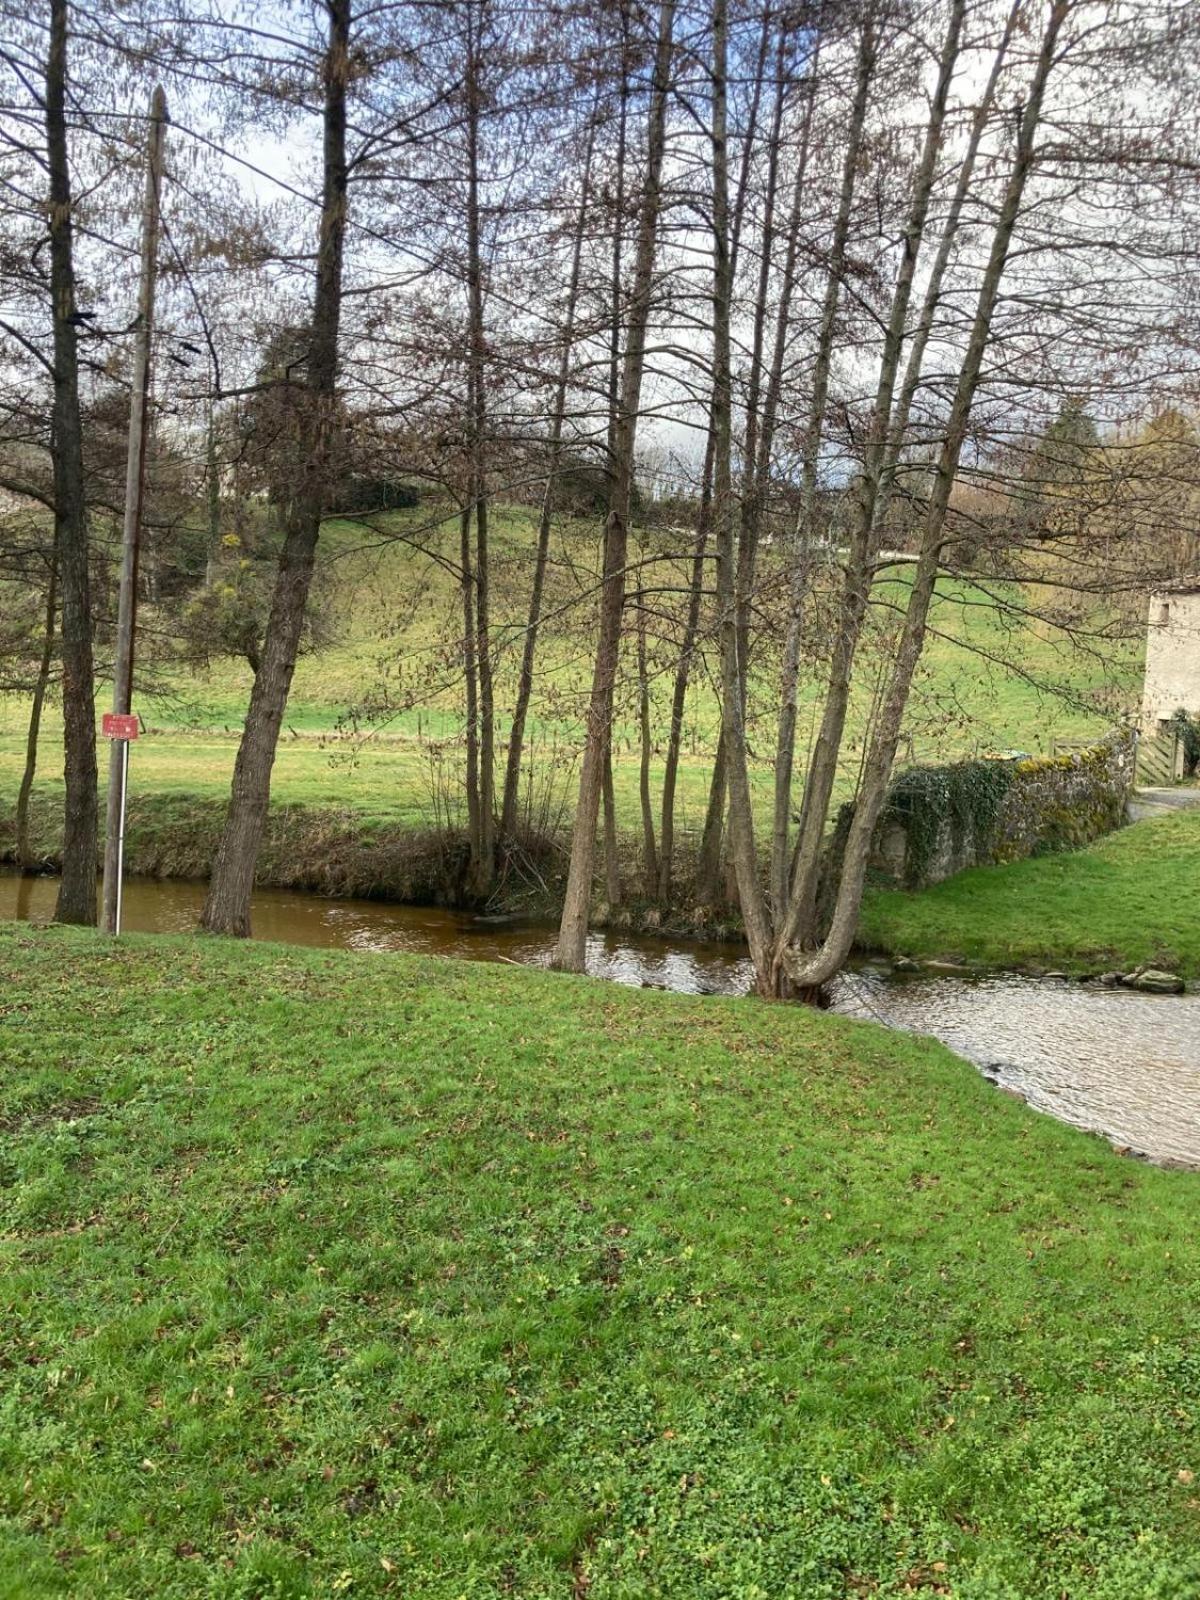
969,813
963,798
938,820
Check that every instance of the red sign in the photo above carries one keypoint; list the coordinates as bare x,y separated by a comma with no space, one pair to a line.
115,725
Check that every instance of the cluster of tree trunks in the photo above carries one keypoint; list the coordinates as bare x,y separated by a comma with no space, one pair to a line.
849,251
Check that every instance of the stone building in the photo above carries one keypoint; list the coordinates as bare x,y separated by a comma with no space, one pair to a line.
1172,655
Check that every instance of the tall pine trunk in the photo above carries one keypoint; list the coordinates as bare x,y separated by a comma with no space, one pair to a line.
77,892
40,685
227,907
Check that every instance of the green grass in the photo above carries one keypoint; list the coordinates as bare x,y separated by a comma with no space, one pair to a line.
389,616
1130,898
329,1274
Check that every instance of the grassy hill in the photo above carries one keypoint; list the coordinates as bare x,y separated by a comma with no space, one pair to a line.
328,1274
375,716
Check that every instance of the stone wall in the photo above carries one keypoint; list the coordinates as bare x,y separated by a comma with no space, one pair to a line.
939,820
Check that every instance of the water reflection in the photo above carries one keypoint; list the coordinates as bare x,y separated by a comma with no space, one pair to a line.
168,906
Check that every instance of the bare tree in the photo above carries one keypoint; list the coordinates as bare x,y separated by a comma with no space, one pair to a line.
805,969
77,891
227,907
572,937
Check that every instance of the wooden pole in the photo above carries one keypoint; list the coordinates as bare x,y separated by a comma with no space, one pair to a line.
135,477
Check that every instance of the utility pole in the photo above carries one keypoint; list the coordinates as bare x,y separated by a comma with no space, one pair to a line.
135,477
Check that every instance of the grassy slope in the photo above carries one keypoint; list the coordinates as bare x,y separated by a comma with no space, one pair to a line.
390,614
1129,898
329,1274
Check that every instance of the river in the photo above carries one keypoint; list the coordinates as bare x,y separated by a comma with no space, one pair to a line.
1122,1064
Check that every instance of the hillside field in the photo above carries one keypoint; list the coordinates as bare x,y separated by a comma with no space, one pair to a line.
375,719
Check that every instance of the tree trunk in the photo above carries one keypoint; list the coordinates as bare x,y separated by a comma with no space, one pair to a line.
799,921
810,969
666,855
806,529
715,869
612,854
761,488
512,777
470,682
649,848
486,863
41,683
484,846
570,953
227,907
730,567
77,892
710,874
214,501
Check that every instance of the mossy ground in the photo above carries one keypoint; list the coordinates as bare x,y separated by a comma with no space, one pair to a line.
330,1274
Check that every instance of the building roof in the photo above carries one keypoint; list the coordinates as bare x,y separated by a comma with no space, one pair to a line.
1178,586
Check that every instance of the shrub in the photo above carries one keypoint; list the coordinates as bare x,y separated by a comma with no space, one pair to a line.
1187,728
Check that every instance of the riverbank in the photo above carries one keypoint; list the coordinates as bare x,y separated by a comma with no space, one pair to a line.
329,1274
1125,901
319,849
338,851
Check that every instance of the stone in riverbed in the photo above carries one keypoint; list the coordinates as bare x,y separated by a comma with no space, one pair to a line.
1150,980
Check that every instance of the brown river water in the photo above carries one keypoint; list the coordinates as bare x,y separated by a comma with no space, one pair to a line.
1122,1064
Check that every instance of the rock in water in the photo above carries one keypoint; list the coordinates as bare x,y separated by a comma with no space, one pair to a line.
1149,980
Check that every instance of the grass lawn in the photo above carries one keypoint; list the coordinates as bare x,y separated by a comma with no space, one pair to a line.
1130,898
328,1274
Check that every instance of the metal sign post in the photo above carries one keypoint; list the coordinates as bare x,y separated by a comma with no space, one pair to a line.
122,730
135,473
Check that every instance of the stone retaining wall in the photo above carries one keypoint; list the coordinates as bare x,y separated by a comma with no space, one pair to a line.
938,821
